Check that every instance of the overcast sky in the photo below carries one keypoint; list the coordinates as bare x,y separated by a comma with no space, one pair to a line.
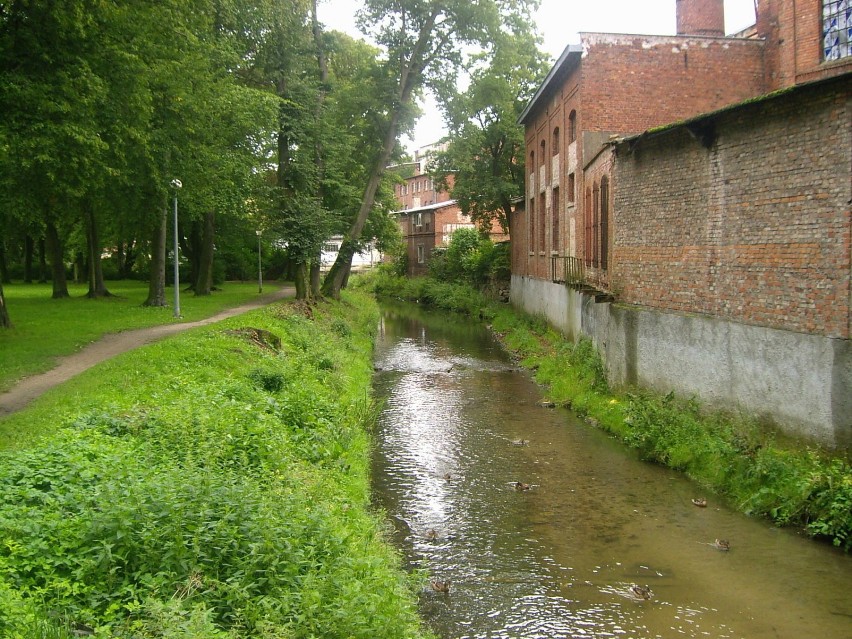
559,23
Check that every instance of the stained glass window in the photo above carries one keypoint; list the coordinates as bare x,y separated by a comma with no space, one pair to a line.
836,29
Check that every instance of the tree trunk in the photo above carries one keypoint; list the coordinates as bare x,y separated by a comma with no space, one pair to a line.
97,286
315,277
204,283
301,281
29,250
409,78
4,267
57,265
157,276
191,245
42,261
130,253
338,274
5,322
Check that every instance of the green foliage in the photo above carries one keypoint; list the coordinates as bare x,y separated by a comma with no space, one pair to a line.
220,490
486,152
431,292
472,259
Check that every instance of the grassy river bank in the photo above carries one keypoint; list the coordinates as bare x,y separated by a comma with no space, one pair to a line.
762,474
215,484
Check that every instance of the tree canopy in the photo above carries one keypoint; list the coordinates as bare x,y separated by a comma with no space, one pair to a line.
485,155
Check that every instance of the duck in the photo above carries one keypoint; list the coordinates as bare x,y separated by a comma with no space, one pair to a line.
520,442
641,592
431,534
448,476
721,544
440,586
519,485
701,502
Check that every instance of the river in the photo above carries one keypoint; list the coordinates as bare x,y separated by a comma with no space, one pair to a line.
461,424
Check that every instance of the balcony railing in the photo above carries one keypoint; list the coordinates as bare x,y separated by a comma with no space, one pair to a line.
573,272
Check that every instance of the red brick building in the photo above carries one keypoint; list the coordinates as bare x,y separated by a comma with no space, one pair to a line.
659,177
428,217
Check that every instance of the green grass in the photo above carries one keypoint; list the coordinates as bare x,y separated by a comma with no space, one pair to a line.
205,486
760,472
45,329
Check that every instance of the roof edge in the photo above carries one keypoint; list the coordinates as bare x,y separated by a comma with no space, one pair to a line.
574,49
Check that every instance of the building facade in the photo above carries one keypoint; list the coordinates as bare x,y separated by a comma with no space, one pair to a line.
428,217
738,221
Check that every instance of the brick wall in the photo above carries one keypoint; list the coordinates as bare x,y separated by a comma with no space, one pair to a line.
792,30
755,229
633,83
701,17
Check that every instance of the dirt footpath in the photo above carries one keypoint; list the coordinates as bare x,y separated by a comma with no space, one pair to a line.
109,346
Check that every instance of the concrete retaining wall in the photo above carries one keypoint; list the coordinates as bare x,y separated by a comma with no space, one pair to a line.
802,383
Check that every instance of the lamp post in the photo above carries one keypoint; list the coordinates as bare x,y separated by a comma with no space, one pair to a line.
259,269
176,185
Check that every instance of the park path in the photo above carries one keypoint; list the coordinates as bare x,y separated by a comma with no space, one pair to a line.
111,345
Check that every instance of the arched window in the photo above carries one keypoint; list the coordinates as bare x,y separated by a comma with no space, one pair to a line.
604,221
555,211
555,146
588,222
596,224
572,126
531,207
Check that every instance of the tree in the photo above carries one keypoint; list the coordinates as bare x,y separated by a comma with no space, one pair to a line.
5,322
486,150
423,41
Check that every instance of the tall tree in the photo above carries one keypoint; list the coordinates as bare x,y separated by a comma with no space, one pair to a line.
5,322
485,155
424,41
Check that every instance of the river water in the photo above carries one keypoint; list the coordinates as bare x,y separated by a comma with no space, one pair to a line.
561,558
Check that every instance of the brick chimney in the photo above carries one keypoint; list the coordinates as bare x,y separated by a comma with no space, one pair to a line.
701,17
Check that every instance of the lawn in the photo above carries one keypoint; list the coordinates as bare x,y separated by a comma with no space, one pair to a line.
45,328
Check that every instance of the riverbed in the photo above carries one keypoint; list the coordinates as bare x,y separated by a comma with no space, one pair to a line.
544,526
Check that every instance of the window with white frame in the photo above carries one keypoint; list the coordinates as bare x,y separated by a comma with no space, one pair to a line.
421,254
836,29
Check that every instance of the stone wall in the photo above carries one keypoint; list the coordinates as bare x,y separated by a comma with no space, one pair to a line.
800,383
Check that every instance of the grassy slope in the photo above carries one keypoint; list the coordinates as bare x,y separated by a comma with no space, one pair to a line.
786,481
45,328
205,486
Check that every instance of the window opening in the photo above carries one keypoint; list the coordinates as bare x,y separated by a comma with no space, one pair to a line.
554,241
836,29
572,127
604,222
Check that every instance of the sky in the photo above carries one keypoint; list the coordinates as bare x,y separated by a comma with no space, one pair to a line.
559,23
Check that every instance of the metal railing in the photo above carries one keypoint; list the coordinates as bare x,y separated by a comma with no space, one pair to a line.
572,271
566,270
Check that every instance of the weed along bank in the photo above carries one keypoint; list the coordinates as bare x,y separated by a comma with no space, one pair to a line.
695,221
214,484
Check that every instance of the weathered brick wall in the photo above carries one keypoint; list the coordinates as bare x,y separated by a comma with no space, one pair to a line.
792,30
755,229
701,17
633,83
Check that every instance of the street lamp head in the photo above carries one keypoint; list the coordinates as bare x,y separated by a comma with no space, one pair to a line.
259,232
176,184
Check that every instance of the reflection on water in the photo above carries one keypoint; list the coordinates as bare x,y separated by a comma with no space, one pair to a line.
559,559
